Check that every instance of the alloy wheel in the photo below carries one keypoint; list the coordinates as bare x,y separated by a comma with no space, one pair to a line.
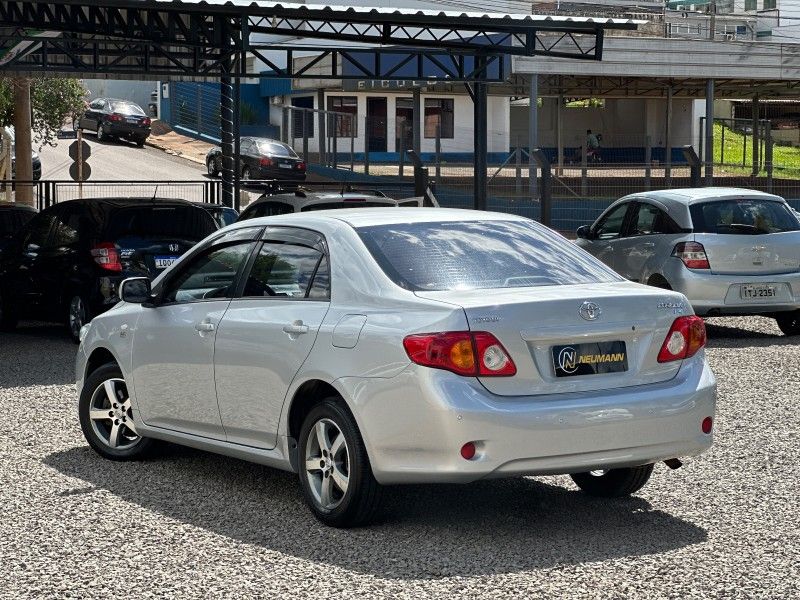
245,174
101,133
111,415
77,316
327,464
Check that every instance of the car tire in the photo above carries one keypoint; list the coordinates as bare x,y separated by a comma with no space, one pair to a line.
789,323
613,483
106,417
139,142
334,469
8,317
101,133
77,316
212,166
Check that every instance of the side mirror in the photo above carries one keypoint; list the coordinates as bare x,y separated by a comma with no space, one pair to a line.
135,290
584,232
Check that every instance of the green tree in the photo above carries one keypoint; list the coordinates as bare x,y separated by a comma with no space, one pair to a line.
53,99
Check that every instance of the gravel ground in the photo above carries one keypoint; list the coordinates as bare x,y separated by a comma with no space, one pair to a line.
191,524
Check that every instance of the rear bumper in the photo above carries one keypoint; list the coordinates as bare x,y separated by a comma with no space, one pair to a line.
279,174
719,294
415,424
127,131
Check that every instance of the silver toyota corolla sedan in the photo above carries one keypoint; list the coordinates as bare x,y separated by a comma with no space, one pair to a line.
730,251
361,348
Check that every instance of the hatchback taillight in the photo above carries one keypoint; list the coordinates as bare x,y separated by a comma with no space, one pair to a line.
685,338
473,354
692,254
106,255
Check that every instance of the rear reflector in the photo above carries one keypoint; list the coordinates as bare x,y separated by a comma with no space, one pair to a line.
692,254
685,338
707,425
468,451
472,354
106,255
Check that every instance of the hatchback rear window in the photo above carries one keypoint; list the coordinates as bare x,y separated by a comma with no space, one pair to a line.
465,255
159,222
743,217
349,204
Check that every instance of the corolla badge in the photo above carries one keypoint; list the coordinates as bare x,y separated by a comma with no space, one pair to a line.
589,311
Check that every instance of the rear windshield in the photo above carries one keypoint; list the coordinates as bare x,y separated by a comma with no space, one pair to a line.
348,204
127,108
275,149
479,255
12,221
161,222
743,217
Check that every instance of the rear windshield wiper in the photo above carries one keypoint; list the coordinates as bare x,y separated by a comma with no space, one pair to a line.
743,227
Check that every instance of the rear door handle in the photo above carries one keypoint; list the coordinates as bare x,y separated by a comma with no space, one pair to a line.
296,328
204,327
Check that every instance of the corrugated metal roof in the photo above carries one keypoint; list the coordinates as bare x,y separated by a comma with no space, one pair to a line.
325,11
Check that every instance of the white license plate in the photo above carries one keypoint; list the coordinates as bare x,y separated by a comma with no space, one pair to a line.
758,291
162,262
134,121
285,166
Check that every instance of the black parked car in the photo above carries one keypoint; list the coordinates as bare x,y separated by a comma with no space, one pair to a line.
112,118
66,263
12,218
262,158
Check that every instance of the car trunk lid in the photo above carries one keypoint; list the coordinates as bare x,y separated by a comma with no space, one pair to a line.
574,338
765,254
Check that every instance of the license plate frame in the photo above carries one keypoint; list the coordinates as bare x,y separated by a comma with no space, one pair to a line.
592,358
163,262
758,291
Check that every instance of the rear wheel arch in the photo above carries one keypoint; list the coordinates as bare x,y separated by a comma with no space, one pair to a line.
306,397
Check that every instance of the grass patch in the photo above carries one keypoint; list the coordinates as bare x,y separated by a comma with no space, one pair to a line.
737,158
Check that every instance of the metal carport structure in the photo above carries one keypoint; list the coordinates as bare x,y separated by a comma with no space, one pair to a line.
211,38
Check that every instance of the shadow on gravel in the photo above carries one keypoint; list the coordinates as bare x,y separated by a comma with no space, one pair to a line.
724,336
426,531
37,354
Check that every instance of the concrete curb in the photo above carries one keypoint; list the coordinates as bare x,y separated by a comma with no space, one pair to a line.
172,152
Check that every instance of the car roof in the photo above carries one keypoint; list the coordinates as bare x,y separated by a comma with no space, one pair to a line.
14,206
695,195
305,198
127,202
365,217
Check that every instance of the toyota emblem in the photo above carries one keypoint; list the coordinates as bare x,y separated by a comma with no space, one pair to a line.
589,311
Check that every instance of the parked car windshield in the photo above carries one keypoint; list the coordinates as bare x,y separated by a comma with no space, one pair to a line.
127,108
744,216
156,222
465,255
274,149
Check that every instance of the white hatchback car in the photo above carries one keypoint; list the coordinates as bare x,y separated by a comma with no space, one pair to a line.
368,347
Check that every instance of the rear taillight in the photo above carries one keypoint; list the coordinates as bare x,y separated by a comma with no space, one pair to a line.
146,121
114,117
692,254
301,166
106,255
473,354
266,162
685,338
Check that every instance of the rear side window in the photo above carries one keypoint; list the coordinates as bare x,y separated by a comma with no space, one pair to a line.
159,222
465,255
266,209
349,204
743,217
283,270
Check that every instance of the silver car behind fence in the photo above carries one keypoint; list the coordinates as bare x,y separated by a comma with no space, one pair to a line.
367,347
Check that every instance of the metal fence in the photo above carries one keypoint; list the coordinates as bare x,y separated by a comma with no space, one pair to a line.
48,192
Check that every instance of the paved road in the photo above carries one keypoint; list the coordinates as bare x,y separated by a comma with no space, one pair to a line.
191,524
119,161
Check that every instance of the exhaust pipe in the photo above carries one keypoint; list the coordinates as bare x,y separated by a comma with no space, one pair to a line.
673,463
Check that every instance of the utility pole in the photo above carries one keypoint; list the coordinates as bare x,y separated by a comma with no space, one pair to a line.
22,141
712,22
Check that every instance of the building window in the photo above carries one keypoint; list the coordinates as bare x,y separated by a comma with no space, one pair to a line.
343,125
750,4
768,4
439,112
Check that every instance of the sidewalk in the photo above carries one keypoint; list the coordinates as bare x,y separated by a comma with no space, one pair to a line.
176,144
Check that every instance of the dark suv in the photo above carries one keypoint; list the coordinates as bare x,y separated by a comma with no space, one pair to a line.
12,218
66,263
